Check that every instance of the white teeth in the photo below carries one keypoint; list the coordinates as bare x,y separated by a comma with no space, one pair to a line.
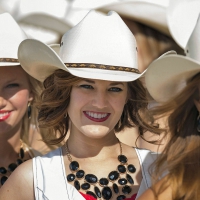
3,115
96,115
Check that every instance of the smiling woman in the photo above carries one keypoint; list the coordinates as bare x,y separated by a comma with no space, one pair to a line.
93,88
18,94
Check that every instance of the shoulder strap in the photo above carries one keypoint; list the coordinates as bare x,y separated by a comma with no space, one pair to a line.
146,158
50,178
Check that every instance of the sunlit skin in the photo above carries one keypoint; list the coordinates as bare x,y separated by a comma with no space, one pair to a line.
96,106
14,97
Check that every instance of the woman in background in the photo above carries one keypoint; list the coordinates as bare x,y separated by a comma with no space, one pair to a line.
18,94
178,91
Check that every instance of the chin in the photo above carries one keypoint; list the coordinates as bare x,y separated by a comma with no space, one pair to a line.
95,132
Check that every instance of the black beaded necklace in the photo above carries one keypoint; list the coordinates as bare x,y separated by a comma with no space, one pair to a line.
5,172
123,169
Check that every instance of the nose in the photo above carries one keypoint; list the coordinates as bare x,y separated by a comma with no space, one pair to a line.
2,102
100,100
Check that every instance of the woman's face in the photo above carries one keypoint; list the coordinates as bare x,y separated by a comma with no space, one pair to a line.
14,97
96,106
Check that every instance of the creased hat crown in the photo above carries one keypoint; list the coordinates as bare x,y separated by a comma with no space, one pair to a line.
107,41
11,35
168,75
182,16
192,49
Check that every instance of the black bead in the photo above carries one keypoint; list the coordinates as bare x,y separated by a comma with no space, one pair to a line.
103,181
122,181
115,188
107,193
70,177
131,168
121,168
97,192
114,175
19,161
80,174
3,179
85,186
129,178
121,197
77,185
92,194
74,166
21,153
91,178
122,158
3,170
12,167
126,189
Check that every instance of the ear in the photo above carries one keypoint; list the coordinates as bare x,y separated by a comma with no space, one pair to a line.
30,97
197,104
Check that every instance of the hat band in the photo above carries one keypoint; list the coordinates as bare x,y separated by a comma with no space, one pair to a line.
9,60
100,66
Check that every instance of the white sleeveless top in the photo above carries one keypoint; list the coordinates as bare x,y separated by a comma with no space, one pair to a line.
50,182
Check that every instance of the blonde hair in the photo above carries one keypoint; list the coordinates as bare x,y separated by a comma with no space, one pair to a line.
36,89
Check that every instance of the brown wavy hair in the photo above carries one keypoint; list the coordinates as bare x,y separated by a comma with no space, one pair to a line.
181,156
56,97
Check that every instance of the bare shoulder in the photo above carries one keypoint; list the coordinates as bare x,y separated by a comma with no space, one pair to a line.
19,185
149,194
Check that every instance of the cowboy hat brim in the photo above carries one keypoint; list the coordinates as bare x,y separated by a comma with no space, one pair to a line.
168,75
39,60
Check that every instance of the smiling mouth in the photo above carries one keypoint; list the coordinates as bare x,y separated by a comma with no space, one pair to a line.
4,116
96,116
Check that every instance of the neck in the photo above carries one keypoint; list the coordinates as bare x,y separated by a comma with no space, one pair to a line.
9,147
81,146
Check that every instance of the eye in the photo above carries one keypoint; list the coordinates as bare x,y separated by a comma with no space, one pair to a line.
115,89
86,86
12,85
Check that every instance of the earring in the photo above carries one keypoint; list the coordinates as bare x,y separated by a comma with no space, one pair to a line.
65,116
198,123
29,110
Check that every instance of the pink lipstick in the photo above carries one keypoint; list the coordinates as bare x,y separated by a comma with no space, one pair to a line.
4,115
96,116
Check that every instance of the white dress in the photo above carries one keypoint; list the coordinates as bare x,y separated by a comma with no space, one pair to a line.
50,181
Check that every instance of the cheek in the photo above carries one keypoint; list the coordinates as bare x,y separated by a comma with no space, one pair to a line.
118,105
20,99
77,101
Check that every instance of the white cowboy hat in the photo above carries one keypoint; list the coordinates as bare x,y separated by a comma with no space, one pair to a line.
149,12
99,47
182,16
168,75
11,35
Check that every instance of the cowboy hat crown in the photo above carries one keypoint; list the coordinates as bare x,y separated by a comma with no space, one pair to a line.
11,35
182,16
168,75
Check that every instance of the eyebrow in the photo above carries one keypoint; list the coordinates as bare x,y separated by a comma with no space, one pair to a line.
112,84
89,81
117,83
